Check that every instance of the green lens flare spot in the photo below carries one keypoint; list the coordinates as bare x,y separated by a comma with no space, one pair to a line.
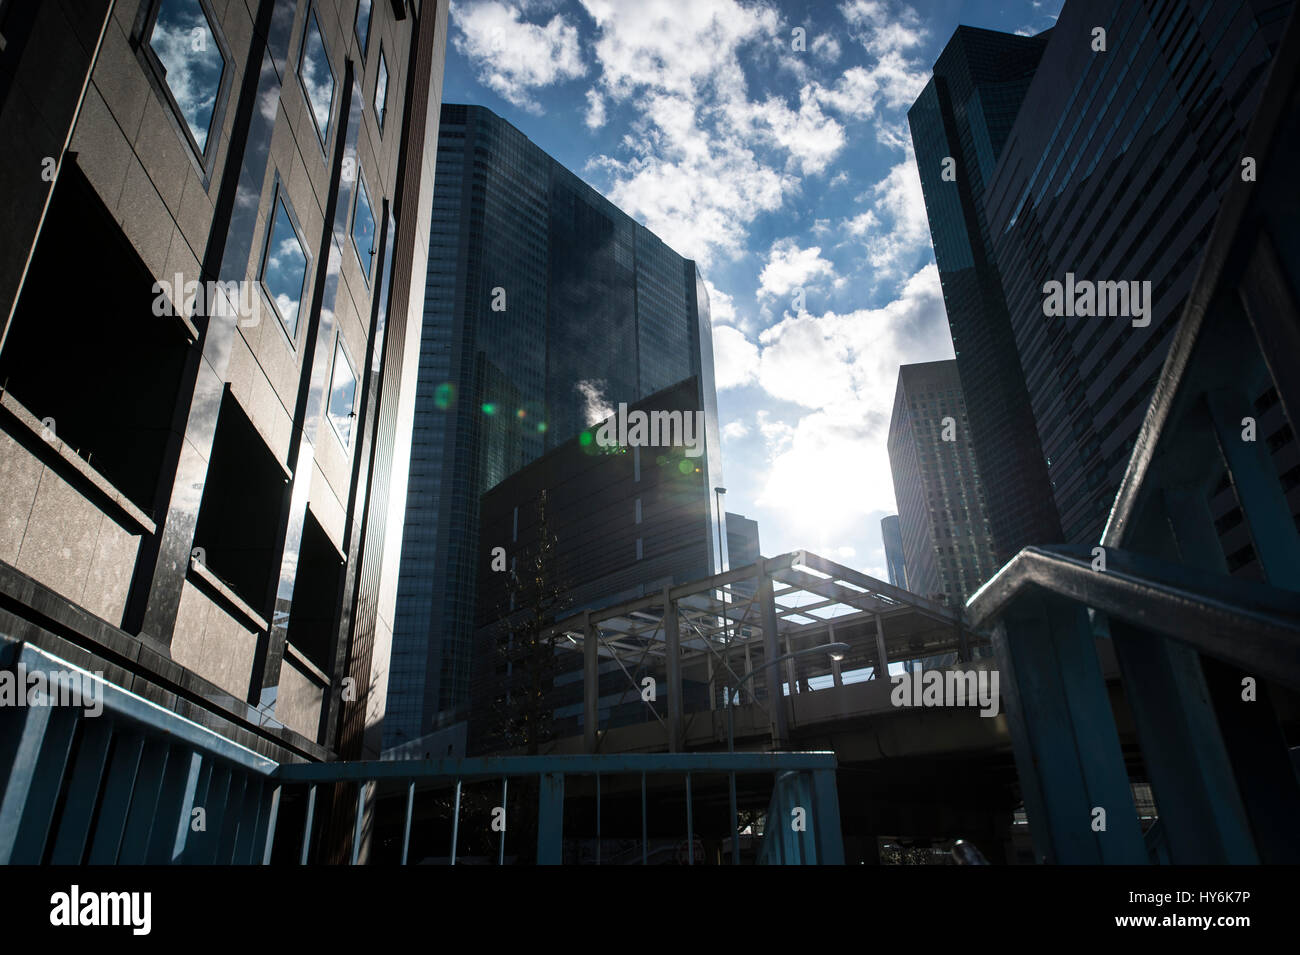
541,427
585,439
489,408
686,467
444,395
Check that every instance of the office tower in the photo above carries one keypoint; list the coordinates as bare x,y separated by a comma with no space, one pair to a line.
208,359
619,523
1112,173
960,124
742,540
742,547
947,545
547,307
892,536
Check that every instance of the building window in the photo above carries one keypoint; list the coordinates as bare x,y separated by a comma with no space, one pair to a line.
317,77
284,266
362,24
343,394
187,55
381,91
363,229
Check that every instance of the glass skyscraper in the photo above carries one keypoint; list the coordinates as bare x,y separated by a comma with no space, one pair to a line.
1113,172
546,306
960,124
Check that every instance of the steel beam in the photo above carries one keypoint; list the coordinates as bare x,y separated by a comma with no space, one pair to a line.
672,639
1066,746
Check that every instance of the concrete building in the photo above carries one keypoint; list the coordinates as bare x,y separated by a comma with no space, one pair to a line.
891,535
547,307
947,543
212,288
1113,172
960,124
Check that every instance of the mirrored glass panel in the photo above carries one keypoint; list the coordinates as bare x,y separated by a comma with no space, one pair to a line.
363,23
381,92
284,269
317,77
363,228
183,41
343,393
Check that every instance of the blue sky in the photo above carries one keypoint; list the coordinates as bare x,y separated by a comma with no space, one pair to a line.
777,169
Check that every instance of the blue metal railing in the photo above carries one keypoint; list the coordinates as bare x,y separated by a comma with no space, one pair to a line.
128,781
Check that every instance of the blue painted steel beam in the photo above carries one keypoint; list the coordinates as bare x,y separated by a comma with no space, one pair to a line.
1201,813
1063,734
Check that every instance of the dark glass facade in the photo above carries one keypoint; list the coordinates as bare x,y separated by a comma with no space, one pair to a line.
544,304
960,124
1113,171
946,538
891,535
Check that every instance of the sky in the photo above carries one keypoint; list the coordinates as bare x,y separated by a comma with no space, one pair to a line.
781,162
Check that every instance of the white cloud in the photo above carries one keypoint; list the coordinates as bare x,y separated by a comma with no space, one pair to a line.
514,57
826,47
702,161
830,466
895,227
595,406
811,138
790,267
595,117
735,358
735,430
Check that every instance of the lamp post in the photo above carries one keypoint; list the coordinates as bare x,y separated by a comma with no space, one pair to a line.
836,652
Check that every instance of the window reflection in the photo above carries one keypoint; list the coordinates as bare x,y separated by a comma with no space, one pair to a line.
284,269
363,23
363,228
343,392
317,77
381,91
192,63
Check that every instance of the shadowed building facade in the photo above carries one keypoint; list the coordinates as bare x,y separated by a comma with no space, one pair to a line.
211,292
546,307
960,124
1113,172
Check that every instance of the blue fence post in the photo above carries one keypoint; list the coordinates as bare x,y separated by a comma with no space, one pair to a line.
829,839
550,819
29,846
19,759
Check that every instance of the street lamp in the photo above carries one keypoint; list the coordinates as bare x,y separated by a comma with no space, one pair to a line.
835,651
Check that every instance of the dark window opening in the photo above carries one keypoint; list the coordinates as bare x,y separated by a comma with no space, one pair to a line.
317,593
99,361
239,518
